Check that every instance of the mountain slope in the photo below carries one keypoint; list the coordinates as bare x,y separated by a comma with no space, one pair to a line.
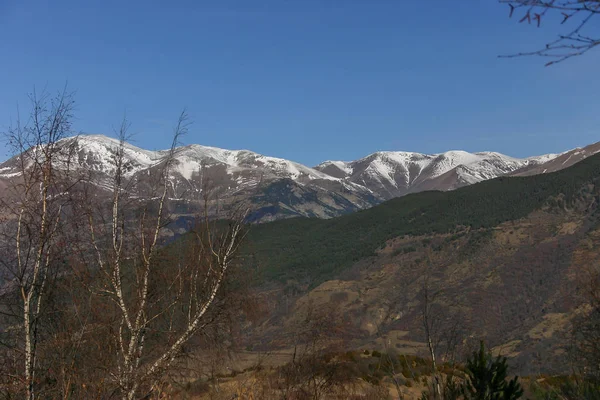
506,255
559,162
327,246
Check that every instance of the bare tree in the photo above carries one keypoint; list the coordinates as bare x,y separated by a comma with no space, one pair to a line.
34,215
440,321
430,327
389,363
314,372
574,13
155,299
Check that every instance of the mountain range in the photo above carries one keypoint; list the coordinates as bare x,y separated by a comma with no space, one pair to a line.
279,188
507,244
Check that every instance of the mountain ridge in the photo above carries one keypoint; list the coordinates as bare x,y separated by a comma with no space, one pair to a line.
329,189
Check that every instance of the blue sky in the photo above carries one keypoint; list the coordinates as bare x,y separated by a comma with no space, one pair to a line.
305,80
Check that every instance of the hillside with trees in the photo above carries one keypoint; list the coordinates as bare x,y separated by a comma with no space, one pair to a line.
100,300
313,250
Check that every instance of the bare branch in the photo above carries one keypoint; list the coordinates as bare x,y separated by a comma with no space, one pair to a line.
571,44
38,187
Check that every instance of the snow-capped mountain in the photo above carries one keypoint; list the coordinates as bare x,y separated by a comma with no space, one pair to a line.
276,187
391,174
560,161
279,188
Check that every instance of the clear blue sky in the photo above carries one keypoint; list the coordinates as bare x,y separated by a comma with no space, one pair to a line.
307,80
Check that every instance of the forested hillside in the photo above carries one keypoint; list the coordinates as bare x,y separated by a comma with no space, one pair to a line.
508,260
314,250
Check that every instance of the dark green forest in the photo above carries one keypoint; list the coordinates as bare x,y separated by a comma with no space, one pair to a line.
314,250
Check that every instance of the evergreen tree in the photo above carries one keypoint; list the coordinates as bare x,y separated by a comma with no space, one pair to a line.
487,378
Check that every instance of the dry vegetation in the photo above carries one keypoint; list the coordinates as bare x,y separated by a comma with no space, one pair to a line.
98,301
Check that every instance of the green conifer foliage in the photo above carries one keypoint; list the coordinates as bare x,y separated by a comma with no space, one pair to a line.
487,378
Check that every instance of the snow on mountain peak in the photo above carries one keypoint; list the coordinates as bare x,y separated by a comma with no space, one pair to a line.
192,157
544,158
383,174
98,152
399,172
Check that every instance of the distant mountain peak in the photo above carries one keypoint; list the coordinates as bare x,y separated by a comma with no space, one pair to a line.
328,189
394,173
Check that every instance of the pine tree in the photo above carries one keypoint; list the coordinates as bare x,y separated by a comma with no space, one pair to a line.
487,378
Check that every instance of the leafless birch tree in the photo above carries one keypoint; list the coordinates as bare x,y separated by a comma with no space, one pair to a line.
161,298
33,212
440,323
126,304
